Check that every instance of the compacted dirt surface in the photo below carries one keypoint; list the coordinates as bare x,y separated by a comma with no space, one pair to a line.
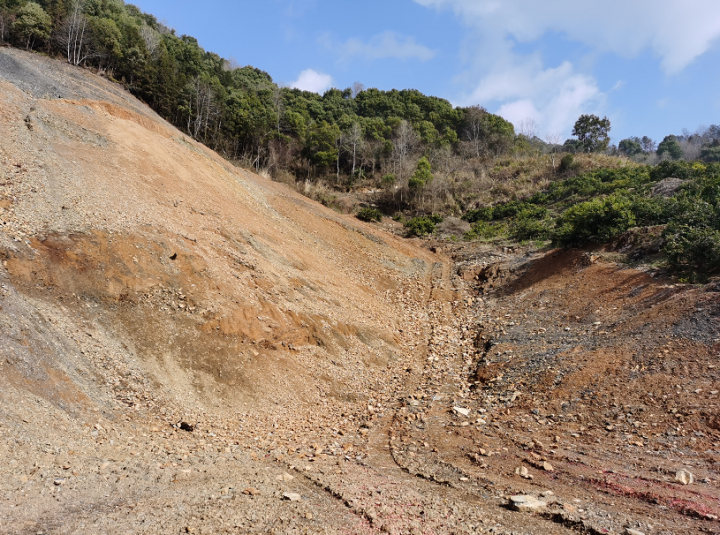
186,347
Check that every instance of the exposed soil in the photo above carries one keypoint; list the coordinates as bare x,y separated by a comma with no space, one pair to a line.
186,347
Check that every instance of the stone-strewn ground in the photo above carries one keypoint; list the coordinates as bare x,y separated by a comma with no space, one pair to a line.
186,347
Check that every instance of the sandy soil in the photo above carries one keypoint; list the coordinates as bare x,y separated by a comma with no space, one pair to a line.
186,347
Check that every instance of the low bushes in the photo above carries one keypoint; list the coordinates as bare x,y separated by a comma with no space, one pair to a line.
369,214
421,226
599,206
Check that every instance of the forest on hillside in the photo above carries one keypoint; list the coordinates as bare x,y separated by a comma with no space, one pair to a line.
344,136
419,157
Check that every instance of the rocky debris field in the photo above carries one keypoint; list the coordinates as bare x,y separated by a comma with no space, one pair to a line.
186,347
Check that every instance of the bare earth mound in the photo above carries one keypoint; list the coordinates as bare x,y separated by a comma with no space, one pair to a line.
186,347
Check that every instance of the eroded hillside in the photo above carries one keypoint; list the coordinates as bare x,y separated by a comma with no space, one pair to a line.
188,347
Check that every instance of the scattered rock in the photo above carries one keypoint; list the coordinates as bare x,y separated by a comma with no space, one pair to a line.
461,411
526,503
684,477
58,482
285,477
522,471
292,496
667,187
251,491
629,531
547,467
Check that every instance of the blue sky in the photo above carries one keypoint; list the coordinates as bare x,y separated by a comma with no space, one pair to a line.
651,66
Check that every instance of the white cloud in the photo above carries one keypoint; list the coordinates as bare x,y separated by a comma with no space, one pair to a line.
677,32
523,87
311,80
554,97
385,45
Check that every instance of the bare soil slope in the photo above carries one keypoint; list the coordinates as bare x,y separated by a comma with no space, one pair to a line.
186,347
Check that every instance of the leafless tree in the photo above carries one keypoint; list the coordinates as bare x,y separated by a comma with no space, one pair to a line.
553,140
152,40
6,20
203,109
403,144
370,153
279,105
357,88
692,146
340,139
474,130
231,64
354,141
528,128
73,34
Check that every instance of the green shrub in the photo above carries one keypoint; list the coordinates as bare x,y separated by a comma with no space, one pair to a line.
479,214
670,168
693,250
389,180
505,210
486,230
531,224
711,152
510,209
422,175
567,163
598,221
369,214
421,226
652,211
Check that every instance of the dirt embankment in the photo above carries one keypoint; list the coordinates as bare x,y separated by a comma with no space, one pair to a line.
188,347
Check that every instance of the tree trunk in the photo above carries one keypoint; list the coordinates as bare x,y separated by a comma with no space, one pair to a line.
354,152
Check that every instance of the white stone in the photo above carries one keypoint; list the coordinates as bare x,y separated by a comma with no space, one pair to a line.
526,503
461,410
522,471
684,477
292,496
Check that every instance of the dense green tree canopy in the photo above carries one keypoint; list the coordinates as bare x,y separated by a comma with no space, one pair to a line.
243,114
670,146
592,133
32,25
630,146
240,111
